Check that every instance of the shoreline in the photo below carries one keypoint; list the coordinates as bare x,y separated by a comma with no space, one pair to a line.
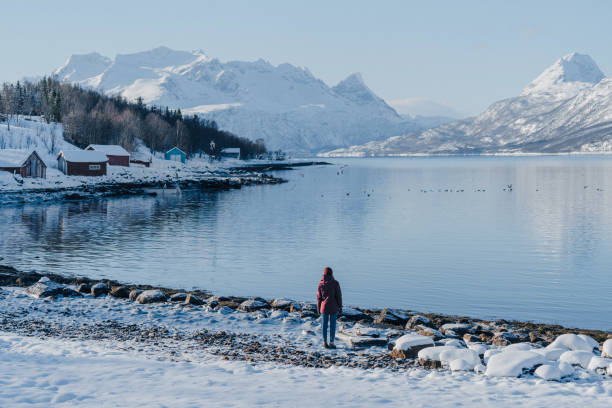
393,318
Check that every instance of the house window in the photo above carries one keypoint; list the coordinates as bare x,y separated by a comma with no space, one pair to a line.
94,167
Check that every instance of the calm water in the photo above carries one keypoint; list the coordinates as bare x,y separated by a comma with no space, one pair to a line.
542,251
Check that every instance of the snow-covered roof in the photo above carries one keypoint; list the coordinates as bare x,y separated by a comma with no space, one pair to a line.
14,157
83,156
231,150
111,150
175,148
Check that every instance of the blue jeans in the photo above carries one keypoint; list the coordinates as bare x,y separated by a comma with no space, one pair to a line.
329,319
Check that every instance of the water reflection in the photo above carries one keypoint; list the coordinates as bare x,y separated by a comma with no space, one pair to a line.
429,234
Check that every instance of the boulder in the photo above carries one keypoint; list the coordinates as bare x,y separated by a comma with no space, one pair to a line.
282,304
252,305
193,300
417,320
554,371
83,288
429,357
606,348
428,331
354,315
178,297
387,316
121,292
598,364
307,310
470,338
409,345
504,338
577,357
458,329
99,289
44,288
151,296
134,293
227,303
512,363
574,342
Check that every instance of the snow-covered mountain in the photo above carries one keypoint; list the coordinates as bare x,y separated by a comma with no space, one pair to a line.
567,108
285,105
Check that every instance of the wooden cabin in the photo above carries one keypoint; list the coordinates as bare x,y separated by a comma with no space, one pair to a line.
144,159
233,152
117,155
176,154
82,163
26,163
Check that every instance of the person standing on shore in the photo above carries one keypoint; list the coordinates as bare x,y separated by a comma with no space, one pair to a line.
329,304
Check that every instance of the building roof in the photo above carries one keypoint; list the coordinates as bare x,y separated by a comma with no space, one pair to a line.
175,148
111,150
14,157
231,150
83,156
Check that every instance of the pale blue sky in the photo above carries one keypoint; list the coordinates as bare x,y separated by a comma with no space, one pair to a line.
465,54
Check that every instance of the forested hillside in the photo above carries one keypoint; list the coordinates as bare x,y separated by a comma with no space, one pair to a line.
89,117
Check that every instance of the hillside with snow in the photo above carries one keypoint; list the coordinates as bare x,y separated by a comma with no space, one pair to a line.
285,105
568,108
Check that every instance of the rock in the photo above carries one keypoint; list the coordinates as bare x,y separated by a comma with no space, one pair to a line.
45,287
451,334
193,299
83,288
458,329
283,304
151,296
428,331
387,316
429,357
577,357
598,364
478,348
67,292
178,297
213,304
417,320
512,363
121,292
606,348
409,345
504,338
354,315
470,338
295,307
574,342
99,289
554,371
260,299
252,305
228,303
134,294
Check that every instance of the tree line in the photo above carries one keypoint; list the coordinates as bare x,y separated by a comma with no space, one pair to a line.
90,117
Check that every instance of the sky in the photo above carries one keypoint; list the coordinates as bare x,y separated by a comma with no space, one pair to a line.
437,56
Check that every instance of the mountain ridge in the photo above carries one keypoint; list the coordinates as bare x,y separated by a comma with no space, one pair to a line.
567,108
286,105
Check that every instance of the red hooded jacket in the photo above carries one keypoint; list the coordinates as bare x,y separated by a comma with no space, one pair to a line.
329,296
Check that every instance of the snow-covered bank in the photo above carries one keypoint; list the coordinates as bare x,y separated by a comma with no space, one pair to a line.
110,351
40,373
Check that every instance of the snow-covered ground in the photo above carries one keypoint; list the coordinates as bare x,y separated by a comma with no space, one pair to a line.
113,352
51,372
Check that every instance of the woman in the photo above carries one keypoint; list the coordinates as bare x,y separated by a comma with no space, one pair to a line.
329,303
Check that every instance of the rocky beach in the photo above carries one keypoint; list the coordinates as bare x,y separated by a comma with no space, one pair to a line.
172,323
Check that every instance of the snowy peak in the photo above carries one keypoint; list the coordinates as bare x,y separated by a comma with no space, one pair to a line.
565,77
79,67
354,88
